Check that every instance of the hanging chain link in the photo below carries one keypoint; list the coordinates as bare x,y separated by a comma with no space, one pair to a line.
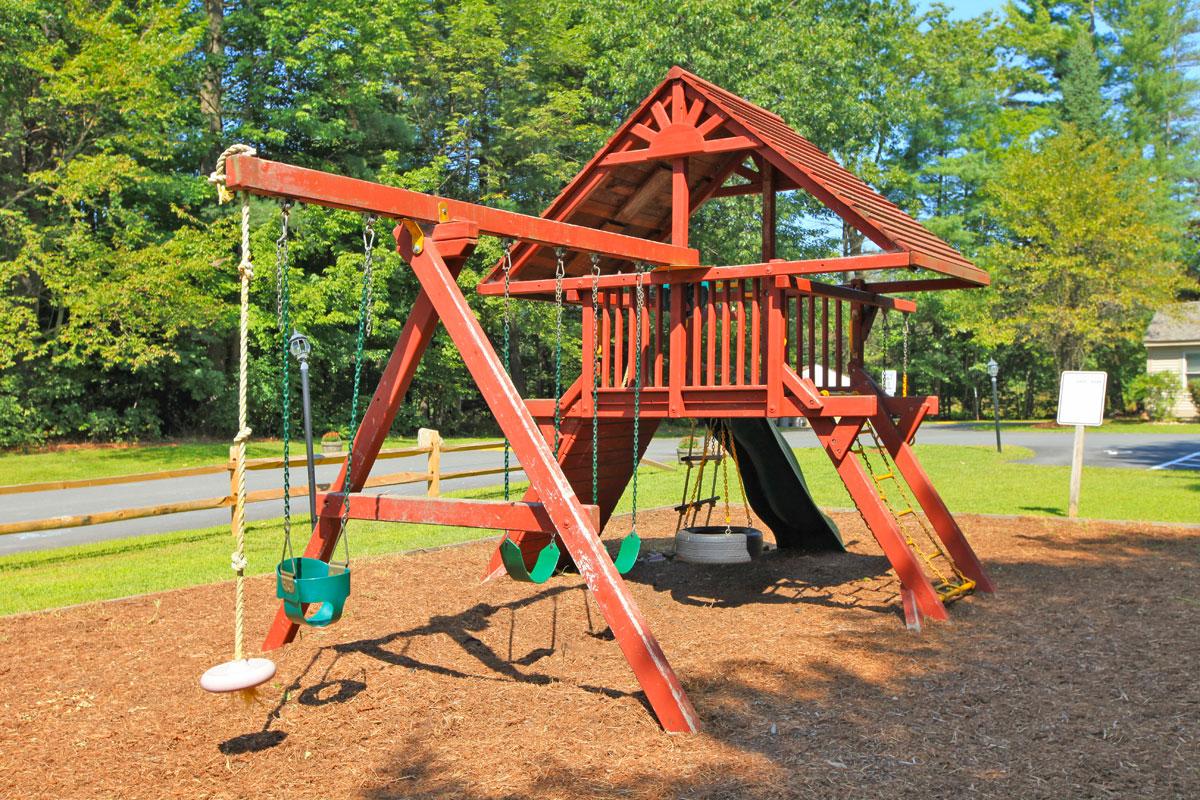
637,387
595,356
904,363
281,257
507,352
283,302
559,274
364,323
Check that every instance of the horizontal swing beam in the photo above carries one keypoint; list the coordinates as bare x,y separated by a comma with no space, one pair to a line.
486,514
274,179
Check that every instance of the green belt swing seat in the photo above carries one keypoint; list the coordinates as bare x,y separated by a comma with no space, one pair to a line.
306,581
303,581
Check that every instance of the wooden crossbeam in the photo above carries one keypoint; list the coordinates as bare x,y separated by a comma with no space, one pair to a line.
274,179
500,515
661,277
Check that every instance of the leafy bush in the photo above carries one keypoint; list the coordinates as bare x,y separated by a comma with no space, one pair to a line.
1194,391
1153,393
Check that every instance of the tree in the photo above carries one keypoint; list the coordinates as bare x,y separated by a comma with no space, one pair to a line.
1084,245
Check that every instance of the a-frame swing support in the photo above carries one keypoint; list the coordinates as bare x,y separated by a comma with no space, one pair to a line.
441,300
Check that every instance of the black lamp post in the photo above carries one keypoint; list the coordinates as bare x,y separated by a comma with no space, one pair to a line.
993,370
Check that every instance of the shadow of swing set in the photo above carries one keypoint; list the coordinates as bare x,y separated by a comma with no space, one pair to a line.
735,346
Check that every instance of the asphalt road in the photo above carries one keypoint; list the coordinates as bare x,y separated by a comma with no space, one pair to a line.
1131,450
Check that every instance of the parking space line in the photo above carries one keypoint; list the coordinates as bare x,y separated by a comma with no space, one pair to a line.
1180,460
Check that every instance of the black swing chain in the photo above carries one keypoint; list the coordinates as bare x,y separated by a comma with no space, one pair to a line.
364,324
595,378
637,389
507,244
559,274
283,302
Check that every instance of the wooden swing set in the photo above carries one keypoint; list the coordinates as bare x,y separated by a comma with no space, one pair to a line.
670,338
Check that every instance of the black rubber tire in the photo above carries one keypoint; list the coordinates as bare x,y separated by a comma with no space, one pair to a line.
710,544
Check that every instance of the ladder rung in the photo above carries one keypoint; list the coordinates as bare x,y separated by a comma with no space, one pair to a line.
885,476
905,512
708,501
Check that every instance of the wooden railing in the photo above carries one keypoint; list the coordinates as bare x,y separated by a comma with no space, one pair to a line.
734,333
430,445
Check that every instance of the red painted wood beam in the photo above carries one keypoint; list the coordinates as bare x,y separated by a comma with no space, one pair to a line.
496,514
921,285
836,437
661,277
728,144
681,209
574,524
923,491
274,179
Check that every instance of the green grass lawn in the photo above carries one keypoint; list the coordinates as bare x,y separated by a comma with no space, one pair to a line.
971,479
1109,426
101,462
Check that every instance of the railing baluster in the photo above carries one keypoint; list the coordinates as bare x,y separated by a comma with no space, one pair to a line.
697,335
756,333
658,335
710,325
618,339
819,380
837,341
741,331
829,383
725,344
605,346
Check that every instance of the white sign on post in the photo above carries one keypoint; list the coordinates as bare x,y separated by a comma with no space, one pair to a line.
1080,403
1081,398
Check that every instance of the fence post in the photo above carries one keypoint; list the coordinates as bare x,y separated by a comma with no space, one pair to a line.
431,439
232,466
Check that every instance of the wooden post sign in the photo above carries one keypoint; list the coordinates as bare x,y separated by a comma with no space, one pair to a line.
1080,403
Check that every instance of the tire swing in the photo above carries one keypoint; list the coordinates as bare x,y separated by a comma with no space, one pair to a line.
721,544
303,581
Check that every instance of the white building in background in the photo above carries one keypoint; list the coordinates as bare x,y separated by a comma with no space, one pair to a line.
1173,345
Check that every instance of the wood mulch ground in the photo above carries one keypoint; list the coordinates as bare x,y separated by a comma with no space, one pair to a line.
1077,679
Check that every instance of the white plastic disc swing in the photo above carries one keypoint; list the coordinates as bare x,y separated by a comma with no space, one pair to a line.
239,674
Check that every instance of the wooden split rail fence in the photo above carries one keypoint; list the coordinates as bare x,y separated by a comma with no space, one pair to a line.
430,444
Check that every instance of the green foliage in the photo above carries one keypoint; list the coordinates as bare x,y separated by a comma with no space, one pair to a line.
1058,150
1193,387
1153,394
1084,247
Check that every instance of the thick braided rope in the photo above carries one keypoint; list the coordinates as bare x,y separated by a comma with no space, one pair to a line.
238,559
217,176
245,272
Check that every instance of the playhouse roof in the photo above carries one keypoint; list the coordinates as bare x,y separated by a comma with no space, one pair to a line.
626,187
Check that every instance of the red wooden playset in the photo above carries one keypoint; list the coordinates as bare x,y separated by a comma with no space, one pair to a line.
675,340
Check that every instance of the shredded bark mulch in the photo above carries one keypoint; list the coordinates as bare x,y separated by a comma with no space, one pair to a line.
1077,679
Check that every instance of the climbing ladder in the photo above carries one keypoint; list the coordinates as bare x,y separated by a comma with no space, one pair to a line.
948,580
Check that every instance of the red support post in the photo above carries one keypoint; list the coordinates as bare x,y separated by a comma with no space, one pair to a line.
923,490
836,438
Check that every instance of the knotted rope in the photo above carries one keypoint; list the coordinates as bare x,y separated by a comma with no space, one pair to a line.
237,560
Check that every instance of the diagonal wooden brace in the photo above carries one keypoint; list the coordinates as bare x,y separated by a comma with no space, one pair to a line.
959,550
575,525
921,598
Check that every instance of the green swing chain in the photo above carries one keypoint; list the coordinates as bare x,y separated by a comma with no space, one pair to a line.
507,352
595,379
559,274
637,389
283,302
364,324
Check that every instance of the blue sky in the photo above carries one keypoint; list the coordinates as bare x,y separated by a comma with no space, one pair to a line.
966,8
